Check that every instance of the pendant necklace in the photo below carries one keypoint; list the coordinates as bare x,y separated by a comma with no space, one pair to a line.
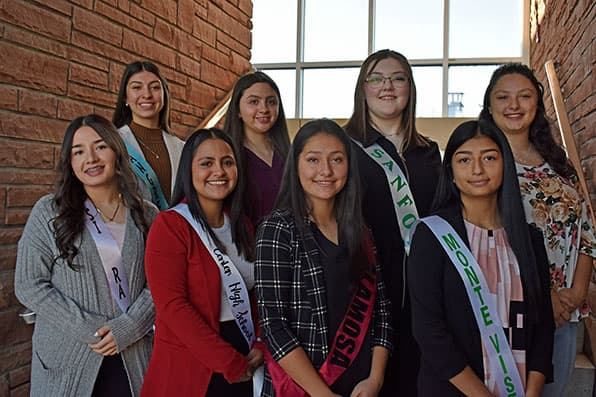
111,219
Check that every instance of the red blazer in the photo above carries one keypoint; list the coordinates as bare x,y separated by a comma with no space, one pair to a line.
186,287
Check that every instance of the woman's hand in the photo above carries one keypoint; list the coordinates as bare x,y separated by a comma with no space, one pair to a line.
571,298
255,359
560,312
107,345
366,388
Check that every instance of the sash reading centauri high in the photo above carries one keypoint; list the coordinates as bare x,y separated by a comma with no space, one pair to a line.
346,344
234,287
403,200
493,337
144,171
110,255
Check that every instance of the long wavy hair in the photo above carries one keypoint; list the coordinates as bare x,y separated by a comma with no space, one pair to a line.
184,189
123,114
278,134
510,207
291,197
69,193
358,123
541,130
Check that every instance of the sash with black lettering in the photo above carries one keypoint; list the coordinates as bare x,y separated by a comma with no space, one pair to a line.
403,200
144,171
110,255
495,342
346,345
233,285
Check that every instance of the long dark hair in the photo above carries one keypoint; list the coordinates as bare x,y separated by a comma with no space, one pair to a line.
278,134
69,193
123,114
357,125
541,134
184,189
351,225
510,207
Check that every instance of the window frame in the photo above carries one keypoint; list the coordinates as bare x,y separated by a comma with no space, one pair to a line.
445,62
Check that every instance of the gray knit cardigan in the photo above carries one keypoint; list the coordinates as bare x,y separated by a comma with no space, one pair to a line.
72,305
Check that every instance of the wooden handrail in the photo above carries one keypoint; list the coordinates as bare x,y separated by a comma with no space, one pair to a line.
218,112
567,133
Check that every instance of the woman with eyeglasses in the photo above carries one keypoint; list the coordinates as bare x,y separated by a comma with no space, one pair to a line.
399,171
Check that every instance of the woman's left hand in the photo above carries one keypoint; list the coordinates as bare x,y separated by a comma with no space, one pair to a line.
255,359
366,388
107,345
571,298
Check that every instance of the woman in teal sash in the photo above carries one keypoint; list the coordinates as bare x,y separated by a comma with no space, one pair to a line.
322,304
142,117
478,196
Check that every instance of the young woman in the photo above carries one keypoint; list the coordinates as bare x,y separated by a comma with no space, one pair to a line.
384,122
552,200
462,302
199,268
142,117
257,123
80,268
322,304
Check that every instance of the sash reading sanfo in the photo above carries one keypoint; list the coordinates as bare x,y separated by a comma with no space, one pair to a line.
346,345
144,171
234,287
493,337
403,200
110,255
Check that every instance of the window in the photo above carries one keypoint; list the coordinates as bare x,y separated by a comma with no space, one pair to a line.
313,49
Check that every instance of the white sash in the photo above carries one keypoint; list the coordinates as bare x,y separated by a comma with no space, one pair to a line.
403,200
110,255
491,331
234,287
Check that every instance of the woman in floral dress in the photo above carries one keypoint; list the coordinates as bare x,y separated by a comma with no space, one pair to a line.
553,202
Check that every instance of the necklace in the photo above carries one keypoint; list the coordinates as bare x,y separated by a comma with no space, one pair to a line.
147,147
529,156
111,219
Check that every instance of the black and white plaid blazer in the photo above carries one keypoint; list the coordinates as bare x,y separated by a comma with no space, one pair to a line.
291,296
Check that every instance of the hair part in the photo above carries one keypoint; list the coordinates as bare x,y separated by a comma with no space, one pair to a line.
69,192
541,130
510,207
291,197
184,189
123,114
358,123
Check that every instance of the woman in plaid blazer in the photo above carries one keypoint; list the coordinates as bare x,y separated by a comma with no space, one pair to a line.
311,253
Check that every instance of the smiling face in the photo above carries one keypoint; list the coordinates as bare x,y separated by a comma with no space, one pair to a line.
144,96
322,168
92,160
513,104
214,171
478,168
259,108
389,99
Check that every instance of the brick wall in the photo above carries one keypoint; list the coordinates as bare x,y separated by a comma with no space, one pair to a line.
60,59
567,35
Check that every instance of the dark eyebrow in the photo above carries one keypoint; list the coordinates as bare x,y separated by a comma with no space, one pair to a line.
94,142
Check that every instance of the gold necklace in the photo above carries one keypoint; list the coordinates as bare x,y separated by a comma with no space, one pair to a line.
111,219
147,147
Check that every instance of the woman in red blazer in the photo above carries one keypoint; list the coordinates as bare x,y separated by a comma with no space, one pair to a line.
200,349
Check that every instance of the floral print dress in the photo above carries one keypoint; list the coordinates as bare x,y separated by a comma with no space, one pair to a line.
556,206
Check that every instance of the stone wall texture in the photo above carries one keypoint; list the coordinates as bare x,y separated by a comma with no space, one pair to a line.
60,59
567,35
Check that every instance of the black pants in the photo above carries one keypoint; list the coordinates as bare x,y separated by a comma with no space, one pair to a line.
218,386
112,380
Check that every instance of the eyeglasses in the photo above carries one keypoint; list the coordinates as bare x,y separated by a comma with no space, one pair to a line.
397,80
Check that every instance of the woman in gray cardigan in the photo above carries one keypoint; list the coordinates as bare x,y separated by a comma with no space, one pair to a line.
80,268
